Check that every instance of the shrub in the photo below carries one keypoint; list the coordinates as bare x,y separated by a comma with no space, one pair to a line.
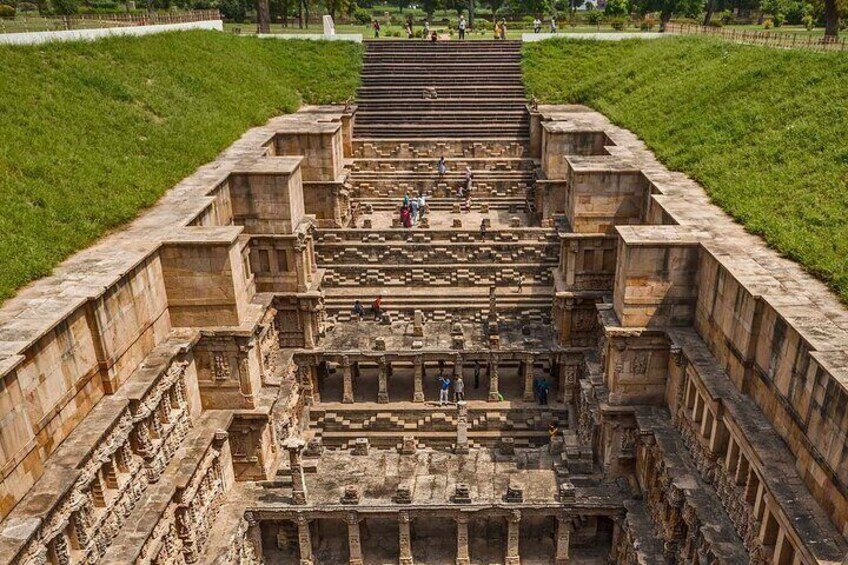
767,24
618,24
362,16
779,19
233,10
726,17
26,7
594,18
6,11
65,7
715,23
647,24
809,22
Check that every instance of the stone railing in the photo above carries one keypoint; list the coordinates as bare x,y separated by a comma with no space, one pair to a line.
130,456
184,528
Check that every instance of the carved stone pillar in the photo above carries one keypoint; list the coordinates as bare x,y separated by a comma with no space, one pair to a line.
527,375
61,550
418,380
462,555
304,375
301,269
494,395
353,538
382,382
563,539
512,536
186,533
405,539
457,365
294,446
347,381
304,540
308,326
461,427
254,535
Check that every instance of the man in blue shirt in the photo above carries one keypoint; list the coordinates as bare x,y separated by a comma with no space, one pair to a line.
444,390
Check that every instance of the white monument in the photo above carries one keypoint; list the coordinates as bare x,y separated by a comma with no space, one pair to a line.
329,28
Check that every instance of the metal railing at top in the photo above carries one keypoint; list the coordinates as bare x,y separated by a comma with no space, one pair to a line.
23,23
777,39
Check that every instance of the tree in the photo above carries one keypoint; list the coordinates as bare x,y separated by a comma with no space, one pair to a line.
65,7
831,19
669,8
430,7
617,8
233,10
263,16
334,6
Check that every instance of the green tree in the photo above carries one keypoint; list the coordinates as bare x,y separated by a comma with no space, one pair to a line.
617,8
430,7
65,7
335,6
233,10
669,8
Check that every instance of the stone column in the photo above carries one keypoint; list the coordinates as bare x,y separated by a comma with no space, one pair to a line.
527,375
304,540
353,538
494,395
254,535
512,534
462,555
305,380
382,382
457,365
563,539
461,427
347,381
294,446
405,539
567,383
418,379
300,267
308,336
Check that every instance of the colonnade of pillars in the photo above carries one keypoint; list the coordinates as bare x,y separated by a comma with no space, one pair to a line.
565,374
405,557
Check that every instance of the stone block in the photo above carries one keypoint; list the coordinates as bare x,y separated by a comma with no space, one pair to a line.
409,446
514,492
366,224
462,494
514,222
507,446
351,495
379,344
361,446
403,495
457,223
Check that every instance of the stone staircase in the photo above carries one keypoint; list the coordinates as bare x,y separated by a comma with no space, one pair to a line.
414,89
420,101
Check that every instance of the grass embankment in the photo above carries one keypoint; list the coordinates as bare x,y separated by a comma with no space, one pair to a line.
764,130
92,133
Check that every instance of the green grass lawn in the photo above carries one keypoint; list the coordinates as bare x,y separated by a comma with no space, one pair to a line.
764,130
92,133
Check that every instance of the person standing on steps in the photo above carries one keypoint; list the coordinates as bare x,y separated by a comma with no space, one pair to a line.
503,29
413,207
426,33
358,310
444,390
520,282
406,198
459,388
442,167
462,27
376,26
422,204
377,307
483,229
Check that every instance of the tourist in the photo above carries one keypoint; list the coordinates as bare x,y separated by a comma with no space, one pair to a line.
422,204
433,36
358,310
468,201
426,33
376,26
459,388
553,24
409,32
469,176
544,386
405,216
553,430
413,207
537,25
503,29
520,282
406,198
444,390
442,166
377,308
483,229
476,373
462,27
497,30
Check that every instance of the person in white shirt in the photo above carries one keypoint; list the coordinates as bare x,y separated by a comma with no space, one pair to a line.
462,27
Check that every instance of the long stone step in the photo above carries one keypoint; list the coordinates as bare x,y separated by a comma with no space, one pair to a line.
325,235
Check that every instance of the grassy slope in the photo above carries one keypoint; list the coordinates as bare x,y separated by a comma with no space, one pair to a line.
91,133
765,131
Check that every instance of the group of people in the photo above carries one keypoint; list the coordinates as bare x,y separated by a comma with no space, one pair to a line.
412,209
462,26
537,25
500,29
376,309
